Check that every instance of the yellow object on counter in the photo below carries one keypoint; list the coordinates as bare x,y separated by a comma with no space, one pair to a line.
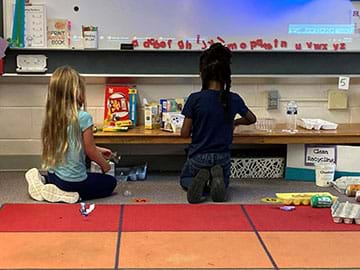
115,129
301,198
123,123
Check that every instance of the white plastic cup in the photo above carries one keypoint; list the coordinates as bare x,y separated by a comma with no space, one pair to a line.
269,124
324,173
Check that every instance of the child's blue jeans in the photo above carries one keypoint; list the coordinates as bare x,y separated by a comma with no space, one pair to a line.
204,161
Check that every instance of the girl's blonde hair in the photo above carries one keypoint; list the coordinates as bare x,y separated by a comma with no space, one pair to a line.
66,94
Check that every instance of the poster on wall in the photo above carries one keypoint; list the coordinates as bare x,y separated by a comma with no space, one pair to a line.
35,26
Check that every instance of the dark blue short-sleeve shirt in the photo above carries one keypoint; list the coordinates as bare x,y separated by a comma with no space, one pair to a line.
210,132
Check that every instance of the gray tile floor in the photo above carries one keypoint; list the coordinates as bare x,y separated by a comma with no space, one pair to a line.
164,188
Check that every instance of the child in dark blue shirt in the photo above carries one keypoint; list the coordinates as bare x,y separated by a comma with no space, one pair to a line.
209,120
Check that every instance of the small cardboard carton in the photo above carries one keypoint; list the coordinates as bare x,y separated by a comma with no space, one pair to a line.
152,116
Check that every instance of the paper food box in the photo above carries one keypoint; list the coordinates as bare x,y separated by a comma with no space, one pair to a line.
133,106
152,116
171,117
120,107
173,121
58,33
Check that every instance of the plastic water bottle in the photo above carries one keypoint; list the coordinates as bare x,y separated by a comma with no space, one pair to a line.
291,115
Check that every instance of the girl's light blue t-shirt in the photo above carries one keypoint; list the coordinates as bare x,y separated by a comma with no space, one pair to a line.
74,169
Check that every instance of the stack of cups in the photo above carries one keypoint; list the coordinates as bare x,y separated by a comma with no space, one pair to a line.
266,124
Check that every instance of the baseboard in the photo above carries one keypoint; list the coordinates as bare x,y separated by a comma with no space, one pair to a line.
155,162
19,162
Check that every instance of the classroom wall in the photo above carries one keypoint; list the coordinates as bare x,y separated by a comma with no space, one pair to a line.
22,110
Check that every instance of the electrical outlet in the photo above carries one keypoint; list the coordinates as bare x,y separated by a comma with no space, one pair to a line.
337,99
273,100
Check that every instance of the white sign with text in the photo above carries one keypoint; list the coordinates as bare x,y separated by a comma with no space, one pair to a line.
319,153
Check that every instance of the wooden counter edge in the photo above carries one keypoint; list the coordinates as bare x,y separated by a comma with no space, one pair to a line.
345,134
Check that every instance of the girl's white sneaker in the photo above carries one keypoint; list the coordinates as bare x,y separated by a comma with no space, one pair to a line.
35,184
52,193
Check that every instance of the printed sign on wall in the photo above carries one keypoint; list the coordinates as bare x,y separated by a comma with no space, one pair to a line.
319,153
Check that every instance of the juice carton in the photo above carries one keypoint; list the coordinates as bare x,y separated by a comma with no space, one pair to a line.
152,116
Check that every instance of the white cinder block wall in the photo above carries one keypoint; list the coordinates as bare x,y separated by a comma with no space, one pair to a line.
22,106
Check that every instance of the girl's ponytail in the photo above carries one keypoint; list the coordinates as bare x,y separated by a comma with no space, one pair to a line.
215,65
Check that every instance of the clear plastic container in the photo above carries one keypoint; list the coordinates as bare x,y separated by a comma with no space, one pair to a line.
266,124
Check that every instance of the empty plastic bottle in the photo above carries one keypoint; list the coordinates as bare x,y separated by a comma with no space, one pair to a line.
291,115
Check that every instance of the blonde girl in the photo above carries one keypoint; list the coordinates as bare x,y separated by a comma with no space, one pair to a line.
67,136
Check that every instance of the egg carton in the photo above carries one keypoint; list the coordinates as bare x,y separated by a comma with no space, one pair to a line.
303,198
341,183
345,212
316,124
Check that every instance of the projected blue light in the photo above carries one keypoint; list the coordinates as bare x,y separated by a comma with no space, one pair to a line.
260,8
321,29
279,7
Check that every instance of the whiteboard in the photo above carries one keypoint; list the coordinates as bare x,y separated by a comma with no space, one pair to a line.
231,21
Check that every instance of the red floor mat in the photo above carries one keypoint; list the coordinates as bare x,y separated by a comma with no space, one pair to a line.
58,218
303,218
161,217
184,217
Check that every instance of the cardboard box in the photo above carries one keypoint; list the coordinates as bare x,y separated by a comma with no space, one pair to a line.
90,37
174,106
120,106
133,106
152,116
173,121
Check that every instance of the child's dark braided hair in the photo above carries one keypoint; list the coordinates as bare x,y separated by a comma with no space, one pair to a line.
215,66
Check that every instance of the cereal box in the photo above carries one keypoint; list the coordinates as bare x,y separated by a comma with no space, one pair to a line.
119,111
